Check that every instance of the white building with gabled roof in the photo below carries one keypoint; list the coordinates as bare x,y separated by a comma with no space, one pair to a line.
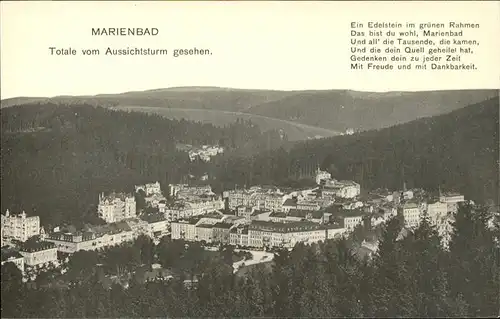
116,207
322,176
149,189
19,226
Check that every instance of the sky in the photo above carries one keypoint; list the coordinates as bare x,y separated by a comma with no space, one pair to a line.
254,45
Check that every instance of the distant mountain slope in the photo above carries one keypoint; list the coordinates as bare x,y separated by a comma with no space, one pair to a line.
334,110
293,131
211,98
455,151
20,101
340,110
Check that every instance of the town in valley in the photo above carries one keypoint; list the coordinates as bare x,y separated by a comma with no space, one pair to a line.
111,214
258,219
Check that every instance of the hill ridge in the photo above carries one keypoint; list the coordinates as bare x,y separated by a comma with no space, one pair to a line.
334,110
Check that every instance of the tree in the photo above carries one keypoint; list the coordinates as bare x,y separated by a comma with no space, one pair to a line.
473,273
170,251
140,200
81,266
145,246
389,293
426,260
227,252
12,291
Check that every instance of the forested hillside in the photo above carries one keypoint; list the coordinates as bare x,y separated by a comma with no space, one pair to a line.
361,111
57,159
456,151
294,131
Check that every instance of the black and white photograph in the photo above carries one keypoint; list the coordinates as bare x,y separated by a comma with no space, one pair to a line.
242,159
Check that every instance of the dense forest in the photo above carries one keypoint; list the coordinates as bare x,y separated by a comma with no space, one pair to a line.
408,277
455,151
57,159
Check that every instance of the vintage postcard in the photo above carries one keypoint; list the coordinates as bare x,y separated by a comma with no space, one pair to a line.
227,159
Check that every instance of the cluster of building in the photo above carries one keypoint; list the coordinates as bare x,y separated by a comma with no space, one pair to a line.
41,249
270,198
92,238
31,254
117,207
267,217
123,222
23,242
332,208
190,201
204,152
258,232
259,217
414,205
440,212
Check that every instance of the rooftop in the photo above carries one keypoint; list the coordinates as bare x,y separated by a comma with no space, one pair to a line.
410,205
112,228
307,203
283,227
258,190
350,213
191,221
153,218
304,213
18,215
223,225
339,184
451,194
231,218
216,215
278,214
32,246
290,202
332,226
259,212
115,195
73,237
205,226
